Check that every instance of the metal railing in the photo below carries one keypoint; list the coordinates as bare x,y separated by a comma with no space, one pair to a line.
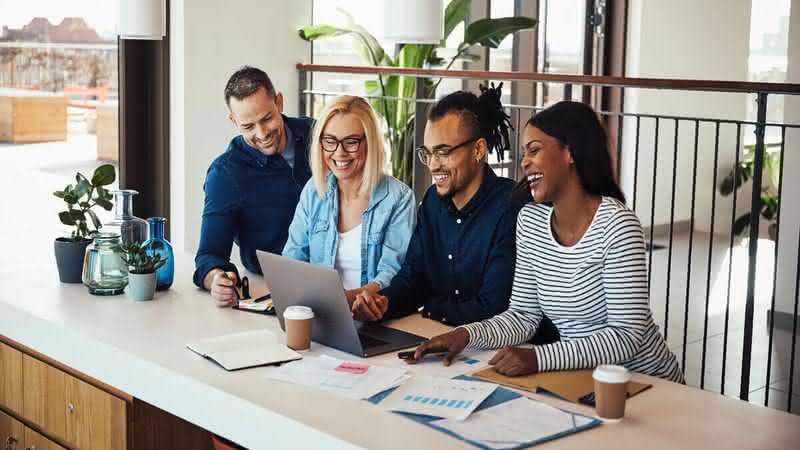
702,220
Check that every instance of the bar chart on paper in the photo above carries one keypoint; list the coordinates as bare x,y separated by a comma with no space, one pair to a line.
438,397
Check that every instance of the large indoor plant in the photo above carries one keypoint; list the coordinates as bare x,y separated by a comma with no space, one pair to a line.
743,172
80,198
399,115
142,272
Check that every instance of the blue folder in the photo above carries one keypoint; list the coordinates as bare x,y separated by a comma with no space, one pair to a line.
500,395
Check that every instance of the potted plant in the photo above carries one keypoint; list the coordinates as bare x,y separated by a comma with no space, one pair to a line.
769,197
142,272
399,116
80,198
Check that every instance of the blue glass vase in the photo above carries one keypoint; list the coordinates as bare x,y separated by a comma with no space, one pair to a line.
157,245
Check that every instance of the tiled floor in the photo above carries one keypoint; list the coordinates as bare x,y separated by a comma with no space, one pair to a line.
32,172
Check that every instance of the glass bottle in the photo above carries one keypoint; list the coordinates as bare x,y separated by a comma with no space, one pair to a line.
104,270
131,229
157,245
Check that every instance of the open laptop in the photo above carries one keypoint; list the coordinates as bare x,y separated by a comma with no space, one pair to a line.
293,282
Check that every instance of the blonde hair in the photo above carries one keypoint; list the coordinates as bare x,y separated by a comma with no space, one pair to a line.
376,152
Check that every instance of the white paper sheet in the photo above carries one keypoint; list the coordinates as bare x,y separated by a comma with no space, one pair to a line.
468,361
321,373
438,397
513,423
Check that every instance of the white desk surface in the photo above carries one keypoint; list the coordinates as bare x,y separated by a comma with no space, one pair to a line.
139,348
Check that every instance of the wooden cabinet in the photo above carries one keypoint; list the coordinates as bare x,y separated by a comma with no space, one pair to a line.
10,378
12,433
35,441
71,410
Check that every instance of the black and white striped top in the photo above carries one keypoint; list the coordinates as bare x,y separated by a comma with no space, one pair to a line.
595,292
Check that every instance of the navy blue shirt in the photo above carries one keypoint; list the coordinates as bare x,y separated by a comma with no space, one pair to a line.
250,199
460,263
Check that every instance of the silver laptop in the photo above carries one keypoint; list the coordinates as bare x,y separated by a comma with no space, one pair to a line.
293,282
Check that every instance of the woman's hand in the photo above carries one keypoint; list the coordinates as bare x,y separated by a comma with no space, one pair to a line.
368,304
452,342
515,361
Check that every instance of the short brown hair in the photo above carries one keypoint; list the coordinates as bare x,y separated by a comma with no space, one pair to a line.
245,82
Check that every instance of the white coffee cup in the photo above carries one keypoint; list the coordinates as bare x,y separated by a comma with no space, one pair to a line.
298,320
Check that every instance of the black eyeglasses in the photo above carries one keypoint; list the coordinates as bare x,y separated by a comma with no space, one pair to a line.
349,144
427,156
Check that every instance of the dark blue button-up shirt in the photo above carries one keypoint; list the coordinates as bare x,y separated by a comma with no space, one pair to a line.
250,199
460,263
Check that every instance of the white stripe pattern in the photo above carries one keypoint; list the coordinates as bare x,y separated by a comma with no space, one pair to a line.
595,292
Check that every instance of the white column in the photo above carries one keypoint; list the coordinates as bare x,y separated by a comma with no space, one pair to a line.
209,40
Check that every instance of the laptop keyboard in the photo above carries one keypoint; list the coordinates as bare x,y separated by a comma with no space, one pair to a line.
369,342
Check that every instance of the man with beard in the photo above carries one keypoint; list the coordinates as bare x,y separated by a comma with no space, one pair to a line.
252,189
460,261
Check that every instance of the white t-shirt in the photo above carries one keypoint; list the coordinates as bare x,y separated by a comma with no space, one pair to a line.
348,258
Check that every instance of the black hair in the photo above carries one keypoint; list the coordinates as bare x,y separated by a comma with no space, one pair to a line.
576,125
245,82
483,115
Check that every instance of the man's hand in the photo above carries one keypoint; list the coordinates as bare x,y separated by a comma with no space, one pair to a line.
369,305
515,361
452,342
219,283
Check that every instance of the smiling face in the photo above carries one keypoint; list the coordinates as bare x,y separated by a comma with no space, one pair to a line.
546,164
460,174
258,118
345,165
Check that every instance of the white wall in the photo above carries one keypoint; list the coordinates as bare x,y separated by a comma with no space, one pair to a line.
209,40
788,244
691,40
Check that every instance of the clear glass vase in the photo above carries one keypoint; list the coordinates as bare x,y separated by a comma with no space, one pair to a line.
158,245
131,229
104,270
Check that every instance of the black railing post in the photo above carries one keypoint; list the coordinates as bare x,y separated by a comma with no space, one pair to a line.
420,177
755,212
302,85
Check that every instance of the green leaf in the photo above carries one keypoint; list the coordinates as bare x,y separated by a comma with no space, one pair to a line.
59,194
367,46
741,223
456,12
104,175
66,218
105,204
70,198
95,220
491,32
77,215
81,189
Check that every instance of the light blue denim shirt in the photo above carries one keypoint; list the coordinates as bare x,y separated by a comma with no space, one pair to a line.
386,228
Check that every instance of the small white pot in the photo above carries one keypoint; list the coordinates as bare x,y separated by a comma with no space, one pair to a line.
141,286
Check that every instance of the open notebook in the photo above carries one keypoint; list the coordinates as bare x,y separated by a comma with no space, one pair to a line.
243,350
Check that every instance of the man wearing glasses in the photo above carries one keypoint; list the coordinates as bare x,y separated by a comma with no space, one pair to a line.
252,189
460,261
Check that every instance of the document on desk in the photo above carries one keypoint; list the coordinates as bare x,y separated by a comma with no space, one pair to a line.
438,397
468,361
350,379
243,350
515,424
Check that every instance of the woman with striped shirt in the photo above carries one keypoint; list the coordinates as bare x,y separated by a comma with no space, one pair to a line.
580,261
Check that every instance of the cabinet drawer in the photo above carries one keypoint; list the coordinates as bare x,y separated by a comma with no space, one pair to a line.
12,433
71,410
10,379
35,441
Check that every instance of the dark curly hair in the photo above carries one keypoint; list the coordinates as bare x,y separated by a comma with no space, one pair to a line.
483,115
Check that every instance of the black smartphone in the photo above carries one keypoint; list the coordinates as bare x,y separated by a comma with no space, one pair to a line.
406,355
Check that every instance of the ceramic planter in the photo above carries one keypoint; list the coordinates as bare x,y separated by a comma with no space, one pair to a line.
141,286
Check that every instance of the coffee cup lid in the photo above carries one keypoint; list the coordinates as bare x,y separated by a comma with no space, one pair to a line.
298,313
611,374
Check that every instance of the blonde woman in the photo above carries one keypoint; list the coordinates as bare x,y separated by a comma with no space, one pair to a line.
352,216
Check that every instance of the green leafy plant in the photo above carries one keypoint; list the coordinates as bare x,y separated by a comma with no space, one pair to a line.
84,195
399,115
139,262
743,172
